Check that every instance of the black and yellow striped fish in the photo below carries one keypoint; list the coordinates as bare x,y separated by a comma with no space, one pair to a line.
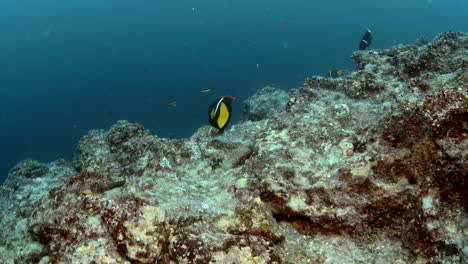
219,113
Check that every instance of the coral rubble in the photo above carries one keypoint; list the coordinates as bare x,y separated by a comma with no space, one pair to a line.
368,168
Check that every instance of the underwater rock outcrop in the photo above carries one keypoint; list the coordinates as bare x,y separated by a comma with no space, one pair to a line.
20,194
264,104
368,168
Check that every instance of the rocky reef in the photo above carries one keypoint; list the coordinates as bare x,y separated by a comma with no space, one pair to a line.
366,168
265,103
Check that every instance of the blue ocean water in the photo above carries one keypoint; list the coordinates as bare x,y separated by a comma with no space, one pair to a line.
70,66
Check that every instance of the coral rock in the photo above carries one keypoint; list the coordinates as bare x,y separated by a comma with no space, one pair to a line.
264,104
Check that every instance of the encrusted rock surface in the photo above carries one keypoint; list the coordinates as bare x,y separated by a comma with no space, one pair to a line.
20,194
368,168
28,169
265,103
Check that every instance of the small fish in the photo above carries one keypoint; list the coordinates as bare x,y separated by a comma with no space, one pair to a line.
258,66
47,33
219,113
172,103
206,90
284,44
366,40
335,73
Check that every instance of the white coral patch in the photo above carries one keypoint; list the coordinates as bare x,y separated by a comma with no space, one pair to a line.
430,205
297,203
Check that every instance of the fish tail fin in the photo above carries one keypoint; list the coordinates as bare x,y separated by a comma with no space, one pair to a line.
220,132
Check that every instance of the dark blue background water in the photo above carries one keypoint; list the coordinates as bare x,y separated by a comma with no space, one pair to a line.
70,66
